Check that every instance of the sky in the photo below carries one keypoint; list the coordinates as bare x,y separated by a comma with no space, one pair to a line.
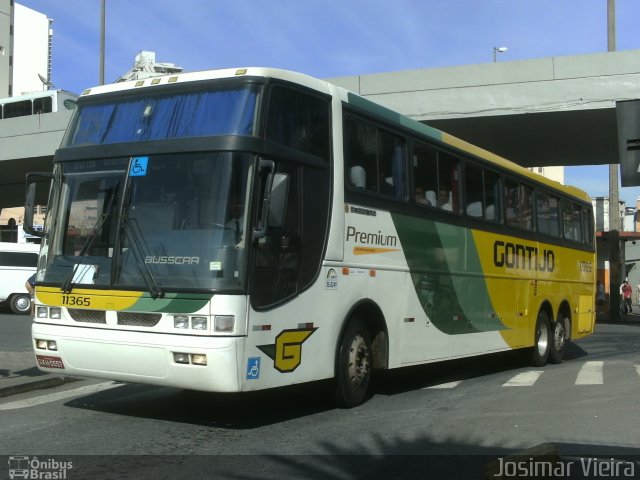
333,38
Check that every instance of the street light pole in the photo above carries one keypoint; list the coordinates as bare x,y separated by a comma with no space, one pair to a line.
615,266
498,50
102,34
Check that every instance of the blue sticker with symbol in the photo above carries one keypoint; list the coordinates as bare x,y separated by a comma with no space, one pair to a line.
253,368
138,166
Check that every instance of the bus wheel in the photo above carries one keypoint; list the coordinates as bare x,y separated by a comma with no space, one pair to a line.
541,345
559,339
20,304
354,365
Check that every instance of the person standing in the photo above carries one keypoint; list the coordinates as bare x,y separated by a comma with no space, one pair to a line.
627,293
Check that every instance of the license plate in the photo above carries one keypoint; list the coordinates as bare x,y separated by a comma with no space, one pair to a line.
47,361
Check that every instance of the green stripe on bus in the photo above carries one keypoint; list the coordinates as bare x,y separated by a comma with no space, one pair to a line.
171,303
394,117
447,275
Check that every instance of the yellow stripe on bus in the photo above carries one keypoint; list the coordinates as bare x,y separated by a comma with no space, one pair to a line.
87,298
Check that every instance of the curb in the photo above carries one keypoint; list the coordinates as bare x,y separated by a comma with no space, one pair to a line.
25,387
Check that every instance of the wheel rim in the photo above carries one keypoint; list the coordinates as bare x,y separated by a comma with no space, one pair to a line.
542,338
359,364
559,336
22,304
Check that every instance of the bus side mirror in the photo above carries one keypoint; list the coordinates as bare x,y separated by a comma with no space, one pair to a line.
279,196
274,202
30,202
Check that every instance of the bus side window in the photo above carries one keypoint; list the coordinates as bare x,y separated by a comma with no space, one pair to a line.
448,179
360,154
473,191
299,120
391,165
572,223
518,203
547,214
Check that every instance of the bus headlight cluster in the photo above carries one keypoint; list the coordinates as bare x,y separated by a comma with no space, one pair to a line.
195,323
46,344
221,323
49,312
190,358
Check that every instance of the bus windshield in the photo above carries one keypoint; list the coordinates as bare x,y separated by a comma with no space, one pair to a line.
217,111
175,221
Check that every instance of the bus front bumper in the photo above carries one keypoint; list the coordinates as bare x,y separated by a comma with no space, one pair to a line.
140,357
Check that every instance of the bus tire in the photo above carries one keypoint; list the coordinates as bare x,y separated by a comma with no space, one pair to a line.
354,365
20,303
542,340
559,337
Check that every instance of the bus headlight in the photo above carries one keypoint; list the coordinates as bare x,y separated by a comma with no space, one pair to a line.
181,358
180,321
198,359
41,344
55,313
199,323
224,323
41,312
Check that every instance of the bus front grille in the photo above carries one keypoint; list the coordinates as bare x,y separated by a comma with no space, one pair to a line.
137,319
88,316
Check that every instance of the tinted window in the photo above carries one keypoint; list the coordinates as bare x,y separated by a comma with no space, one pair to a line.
518,204
482,193
42,105
435,178
18,259
587,226
374,159
299,120
547,214
17,109
571,222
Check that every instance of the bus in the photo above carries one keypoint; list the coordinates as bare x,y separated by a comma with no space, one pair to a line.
245,229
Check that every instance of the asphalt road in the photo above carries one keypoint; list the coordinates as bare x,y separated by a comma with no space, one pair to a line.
414,424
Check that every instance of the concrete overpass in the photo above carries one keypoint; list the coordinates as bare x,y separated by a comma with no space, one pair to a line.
550,111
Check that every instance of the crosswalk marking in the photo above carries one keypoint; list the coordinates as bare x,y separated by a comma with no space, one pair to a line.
52,397
590,374
443,386
524,379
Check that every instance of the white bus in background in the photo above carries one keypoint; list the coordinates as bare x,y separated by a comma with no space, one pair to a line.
17,263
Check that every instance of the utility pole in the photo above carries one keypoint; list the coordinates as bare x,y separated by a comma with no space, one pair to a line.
102,34
615,276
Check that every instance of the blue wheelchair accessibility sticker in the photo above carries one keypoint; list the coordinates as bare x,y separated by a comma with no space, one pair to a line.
253,368
138,166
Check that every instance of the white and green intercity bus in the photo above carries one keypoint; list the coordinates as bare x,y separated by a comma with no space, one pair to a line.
238,230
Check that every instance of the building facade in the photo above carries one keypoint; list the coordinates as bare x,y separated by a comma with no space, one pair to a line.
25,50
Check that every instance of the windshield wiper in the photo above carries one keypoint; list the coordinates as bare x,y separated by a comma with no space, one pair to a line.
67,285
128,228
136,239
